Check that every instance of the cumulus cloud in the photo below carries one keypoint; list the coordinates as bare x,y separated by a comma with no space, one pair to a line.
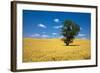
83,38
44,36
54,33
42,26
81,35
56,20
36,35
61,37
57,27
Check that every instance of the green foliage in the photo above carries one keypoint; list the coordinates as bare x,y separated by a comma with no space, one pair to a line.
69,30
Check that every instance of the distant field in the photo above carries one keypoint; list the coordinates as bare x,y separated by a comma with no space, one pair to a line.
36,50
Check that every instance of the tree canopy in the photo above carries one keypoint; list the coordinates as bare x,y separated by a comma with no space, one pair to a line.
69,30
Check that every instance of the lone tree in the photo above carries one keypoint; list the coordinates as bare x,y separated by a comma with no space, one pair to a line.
69,30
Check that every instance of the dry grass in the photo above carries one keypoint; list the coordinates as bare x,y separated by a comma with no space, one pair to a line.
36,50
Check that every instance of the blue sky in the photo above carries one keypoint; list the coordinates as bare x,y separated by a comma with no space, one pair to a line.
47,24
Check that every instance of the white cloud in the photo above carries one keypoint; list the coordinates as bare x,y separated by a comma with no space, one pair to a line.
44,36
54,33
83,38
57,27
42,26
35,35
81,35
61,37
56,20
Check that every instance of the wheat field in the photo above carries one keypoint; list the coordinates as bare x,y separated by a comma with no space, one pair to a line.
39,50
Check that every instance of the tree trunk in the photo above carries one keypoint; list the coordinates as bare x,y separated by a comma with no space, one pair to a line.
67,44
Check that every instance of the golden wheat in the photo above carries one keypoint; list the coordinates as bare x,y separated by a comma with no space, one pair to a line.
36,50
